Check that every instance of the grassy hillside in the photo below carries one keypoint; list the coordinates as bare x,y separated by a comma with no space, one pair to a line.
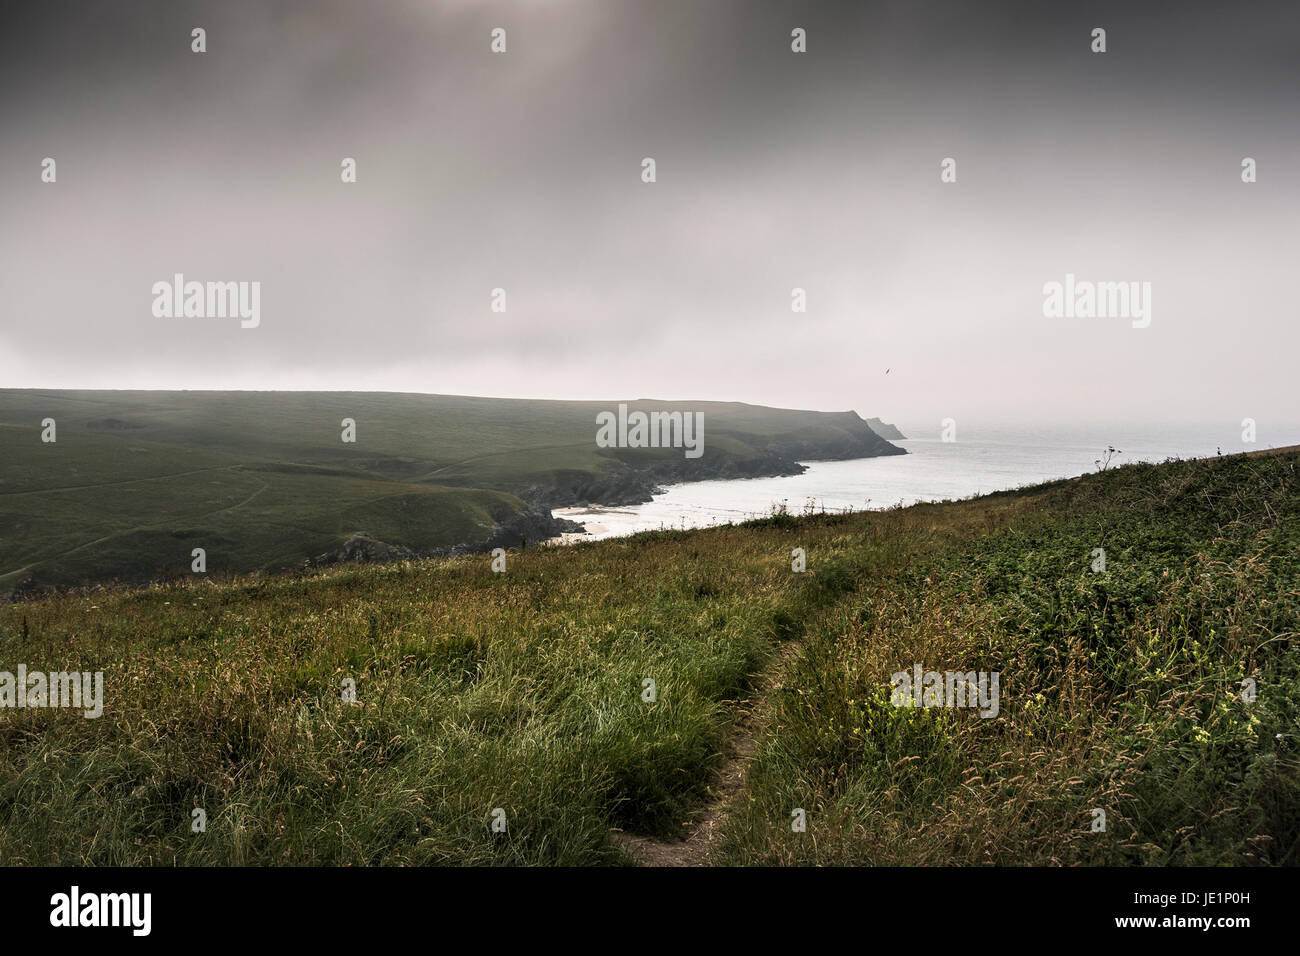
411,436
263,479
523,691
91,507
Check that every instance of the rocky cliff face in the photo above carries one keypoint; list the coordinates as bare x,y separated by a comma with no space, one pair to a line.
631,481
631,484
885,430
857,440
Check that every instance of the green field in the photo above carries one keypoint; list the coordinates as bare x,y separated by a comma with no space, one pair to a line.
1120,691
91,507
262,480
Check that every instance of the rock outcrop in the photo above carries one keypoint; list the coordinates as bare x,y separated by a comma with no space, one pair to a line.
524,529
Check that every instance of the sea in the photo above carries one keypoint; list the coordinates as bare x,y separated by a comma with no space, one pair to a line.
994,458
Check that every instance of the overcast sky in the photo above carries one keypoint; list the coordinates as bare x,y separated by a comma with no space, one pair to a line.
775,170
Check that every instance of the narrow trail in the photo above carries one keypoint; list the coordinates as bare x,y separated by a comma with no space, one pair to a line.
704,826
109,484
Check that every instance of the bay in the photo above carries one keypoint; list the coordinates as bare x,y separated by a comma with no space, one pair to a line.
983,460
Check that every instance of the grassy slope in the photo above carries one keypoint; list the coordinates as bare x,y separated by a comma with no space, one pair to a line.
135,475
523,691
101,505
